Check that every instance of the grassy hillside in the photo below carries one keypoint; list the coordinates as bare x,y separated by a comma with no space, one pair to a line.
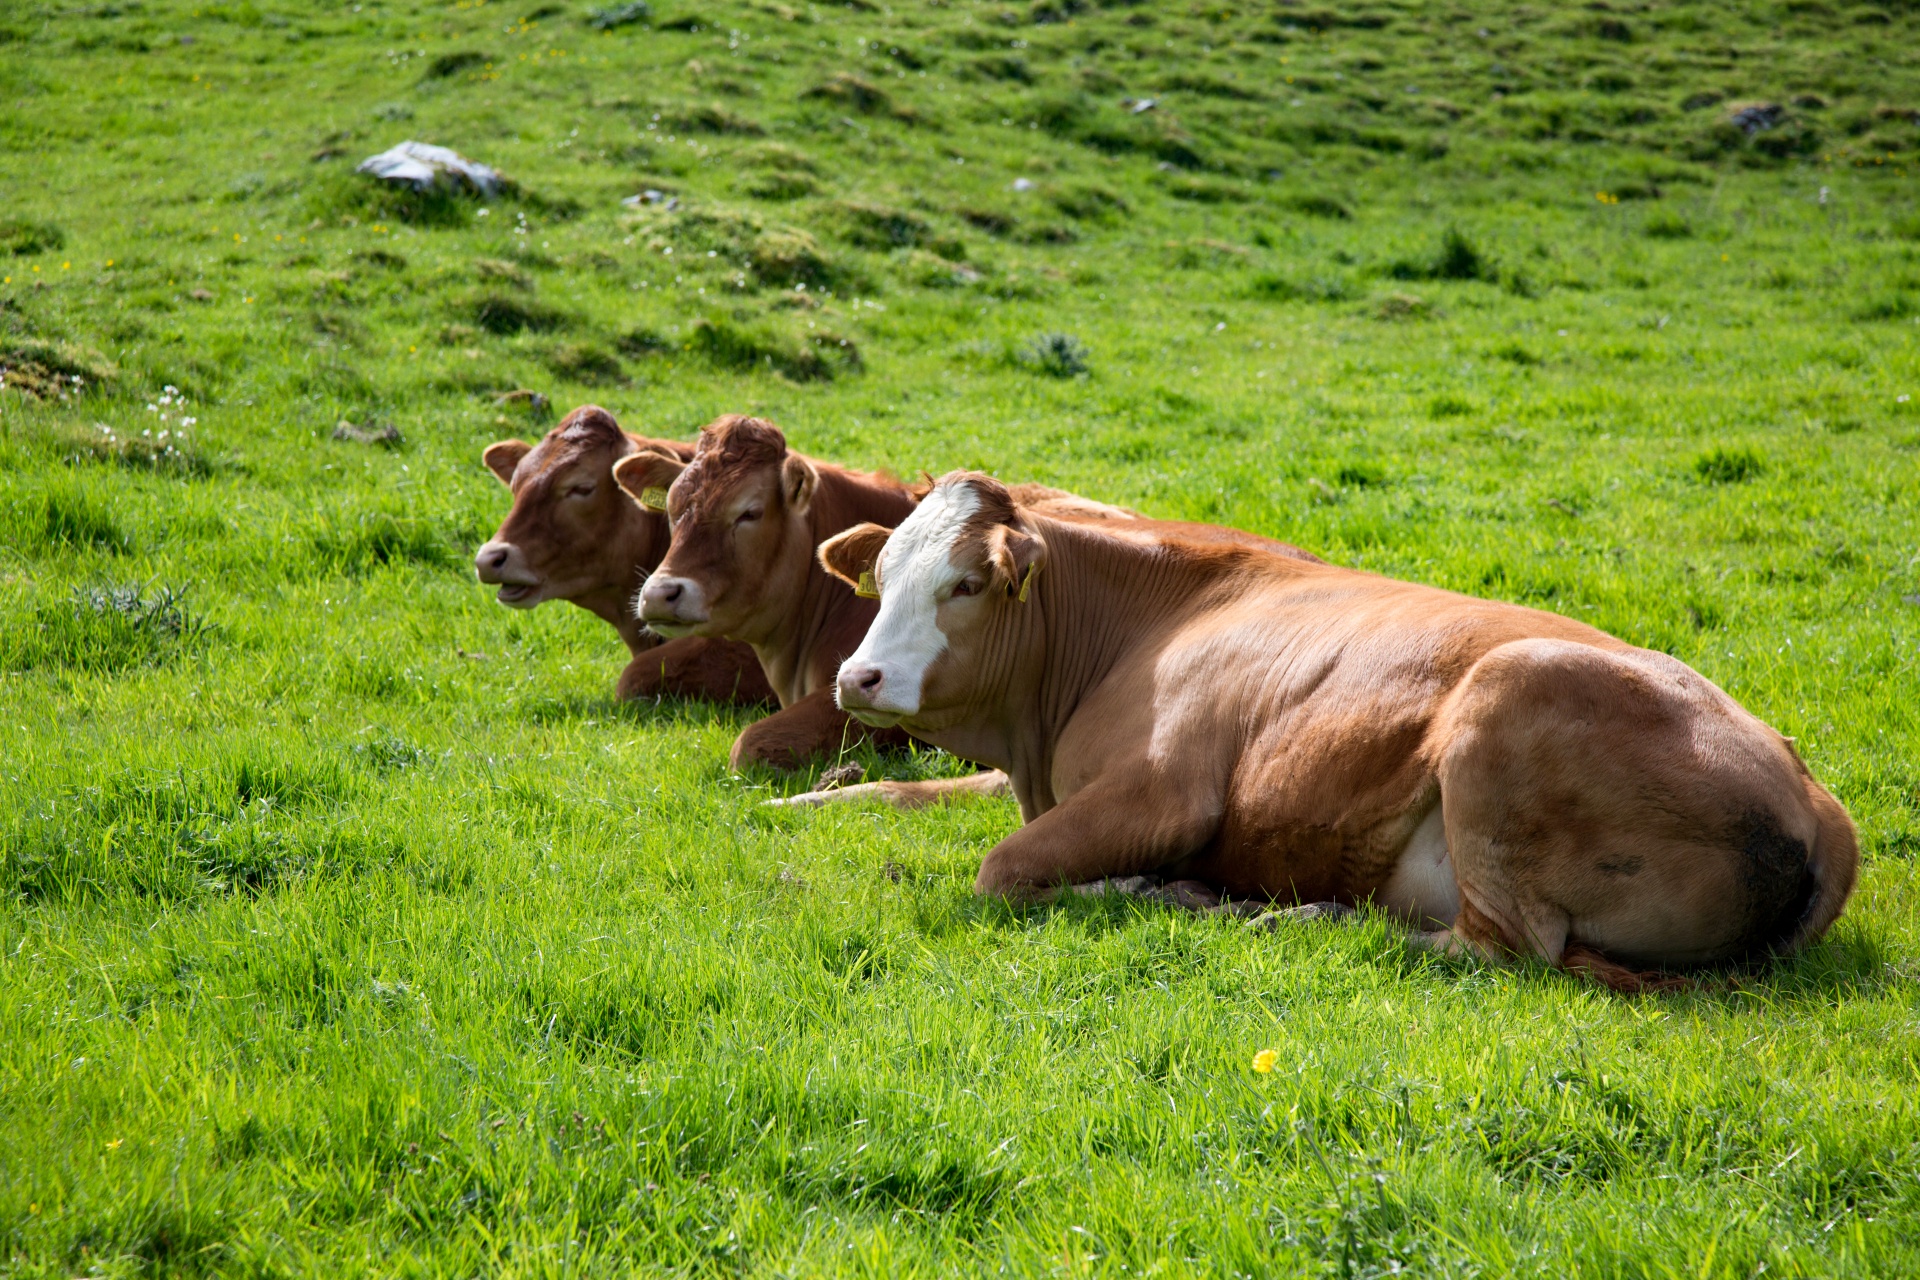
348,925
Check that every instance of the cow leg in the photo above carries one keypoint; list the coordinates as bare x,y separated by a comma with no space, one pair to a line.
696,667
1118,826
811,727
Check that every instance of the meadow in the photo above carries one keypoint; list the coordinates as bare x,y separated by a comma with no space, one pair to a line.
349,925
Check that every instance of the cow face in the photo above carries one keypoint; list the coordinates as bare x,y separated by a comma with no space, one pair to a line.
946,579
571,532
738,512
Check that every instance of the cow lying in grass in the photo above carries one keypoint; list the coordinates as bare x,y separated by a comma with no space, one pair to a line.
573,534
748,515
1511,780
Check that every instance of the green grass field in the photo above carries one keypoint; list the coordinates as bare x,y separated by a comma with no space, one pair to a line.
349,926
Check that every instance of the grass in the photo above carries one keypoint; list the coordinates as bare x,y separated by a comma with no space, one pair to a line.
349,926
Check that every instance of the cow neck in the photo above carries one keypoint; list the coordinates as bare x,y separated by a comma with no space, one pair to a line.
639,540
1098,597
614,605
814,621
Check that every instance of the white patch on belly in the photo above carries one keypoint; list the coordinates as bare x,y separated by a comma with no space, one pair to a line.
1422,890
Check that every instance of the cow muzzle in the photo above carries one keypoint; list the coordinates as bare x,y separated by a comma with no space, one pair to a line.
673,606
501,564
865,692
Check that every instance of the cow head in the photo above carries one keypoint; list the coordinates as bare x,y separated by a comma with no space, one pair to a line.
739,512
572,534
947,579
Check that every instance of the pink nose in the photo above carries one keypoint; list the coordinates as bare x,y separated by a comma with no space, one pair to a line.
860,685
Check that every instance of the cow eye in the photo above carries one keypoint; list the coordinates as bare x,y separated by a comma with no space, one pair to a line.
966,587
751,513
580,491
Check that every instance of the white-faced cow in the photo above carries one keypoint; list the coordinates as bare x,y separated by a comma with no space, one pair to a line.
573,534
1510,780
748,515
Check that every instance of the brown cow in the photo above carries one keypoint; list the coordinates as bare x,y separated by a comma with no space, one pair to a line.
572,534
746,517
1513,780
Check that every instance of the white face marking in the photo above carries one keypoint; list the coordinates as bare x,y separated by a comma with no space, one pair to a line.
915,572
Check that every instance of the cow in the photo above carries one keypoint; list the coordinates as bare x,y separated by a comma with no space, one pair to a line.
573,534
1507,781
747,516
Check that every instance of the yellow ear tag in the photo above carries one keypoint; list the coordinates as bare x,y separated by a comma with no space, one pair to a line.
868,588
655,498
1027,581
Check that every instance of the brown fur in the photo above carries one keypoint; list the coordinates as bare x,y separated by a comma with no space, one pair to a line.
1175,700
572,534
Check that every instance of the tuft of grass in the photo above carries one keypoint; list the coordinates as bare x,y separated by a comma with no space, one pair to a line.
613,17
1057,355
1665,225
741,348
1893,305
1284,288
22,237
1723,465
505,314
105,629
454,63
875,226
54,370
1456,258
1320,205
586,362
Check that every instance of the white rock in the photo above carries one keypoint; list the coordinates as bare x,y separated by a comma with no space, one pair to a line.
422,165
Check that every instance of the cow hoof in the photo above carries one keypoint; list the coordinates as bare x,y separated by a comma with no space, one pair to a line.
1272,920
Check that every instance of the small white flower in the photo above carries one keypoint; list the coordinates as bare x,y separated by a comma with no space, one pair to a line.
153,408
188,422
171,389
1901,399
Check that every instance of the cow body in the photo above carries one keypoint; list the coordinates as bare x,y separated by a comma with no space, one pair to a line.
573,534
1507,779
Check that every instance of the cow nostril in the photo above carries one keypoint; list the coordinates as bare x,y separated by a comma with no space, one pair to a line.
666,592
869,680
496,558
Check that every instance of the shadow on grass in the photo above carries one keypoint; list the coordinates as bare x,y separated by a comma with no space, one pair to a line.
1848,963
661,712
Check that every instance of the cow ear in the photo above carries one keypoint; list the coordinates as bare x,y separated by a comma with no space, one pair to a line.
502,456
1018,557
797,478
850,556
647,475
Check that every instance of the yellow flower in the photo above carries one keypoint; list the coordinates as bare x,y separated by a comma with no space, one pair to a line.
1263,1061
115,1144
